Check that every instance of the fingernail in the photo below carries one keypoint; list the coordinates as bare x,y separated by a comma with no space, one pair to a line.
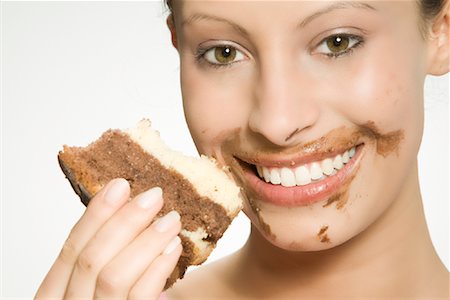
172,245
150,197
166,222
116,190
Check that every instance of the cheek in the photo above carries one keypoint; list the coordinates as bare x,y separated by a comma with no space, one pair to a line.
213,103
383,83
387,89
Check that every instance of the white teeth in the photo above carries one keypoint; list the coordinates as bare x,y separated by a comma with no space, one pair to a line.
260,172
275,176
351,152
266,174
302,175
337,162
316,171
287,177
345,157
327,166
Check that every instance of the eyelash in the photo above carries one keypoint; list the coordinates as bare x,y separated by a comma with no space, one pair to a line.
200,53
200,56
359,42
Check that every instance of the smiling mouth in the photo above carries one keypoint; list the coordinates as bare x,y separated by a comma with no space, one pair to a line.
306,173
292,183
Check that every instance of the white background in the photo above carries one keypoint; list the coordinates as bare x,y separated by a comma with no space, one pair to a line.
72,70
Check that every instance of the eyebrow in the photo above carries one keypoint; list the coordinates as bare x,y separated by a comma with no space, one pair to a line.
337,5
203,17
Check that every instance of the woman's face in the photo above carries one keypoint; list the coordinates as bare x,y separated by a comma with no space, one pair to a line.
324,99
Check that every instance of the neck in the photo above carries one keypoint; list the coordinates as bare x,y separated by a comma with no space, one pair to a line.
390,257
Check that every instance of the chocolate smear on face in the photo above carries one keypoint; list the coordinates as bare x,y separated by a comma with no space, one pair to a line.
387,142
334,142
325,239
341,197
249,196
322,235
225,143
336,198
264,226
292,134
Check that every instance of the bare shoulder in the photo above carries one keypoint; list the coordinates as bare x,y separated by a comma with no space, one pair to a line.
205,282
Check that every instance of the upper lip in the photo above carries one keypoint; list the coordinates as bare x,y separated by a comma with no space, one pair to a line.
302,157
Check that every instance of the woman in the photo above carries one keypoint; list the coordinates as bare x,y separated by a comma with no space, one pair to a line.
318,109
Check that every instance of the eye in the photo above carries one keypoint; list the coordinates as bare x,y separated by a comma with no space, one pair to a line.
339,44
222,55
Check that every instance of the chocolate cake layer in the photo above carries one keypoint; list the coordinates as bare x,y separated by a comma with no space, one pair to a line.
116,155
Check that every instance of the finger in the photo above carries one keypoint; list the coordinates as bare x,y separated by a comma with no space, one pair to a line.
117,278
105,203
157,273
119,231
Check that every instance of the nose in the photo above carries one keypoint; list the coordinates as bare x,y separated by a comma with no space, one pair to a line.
284,108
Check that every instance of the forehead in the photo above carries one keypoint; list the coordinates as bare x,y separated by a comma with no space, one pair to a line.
236,7
224,2
282,15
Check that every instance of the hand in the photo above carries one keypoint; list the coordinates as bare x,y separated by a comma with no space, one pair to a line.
112,252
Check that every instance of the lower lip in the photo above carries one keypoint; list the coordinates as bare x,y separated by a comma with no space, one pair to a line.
302,195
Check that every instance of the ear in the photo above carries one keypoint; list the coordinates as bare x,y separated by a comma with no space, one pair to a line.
171,24
438,63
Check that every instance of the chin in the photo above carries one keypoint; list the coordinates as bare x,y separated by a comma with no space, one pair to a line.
304,229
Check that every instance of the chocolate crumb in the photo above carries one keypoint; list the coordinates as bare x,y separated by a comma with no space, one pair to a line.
325,239
322,235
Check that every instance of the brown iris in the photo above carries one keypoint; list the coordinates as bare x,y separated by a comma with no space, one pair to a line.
225,54
338,43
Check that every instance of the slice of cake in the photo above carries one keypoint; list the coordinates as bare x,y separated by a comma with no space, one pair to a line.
203,193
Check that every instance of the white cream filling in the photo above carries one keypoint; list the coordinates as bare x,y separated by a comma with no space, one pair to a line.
305,174
203,247
205,175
